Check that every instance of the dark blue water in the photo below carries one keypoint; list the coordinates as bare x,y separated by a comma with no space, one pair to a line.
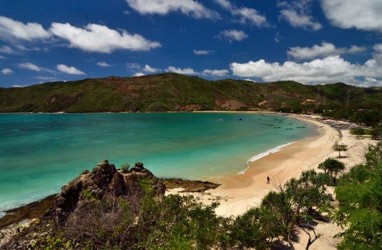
41,152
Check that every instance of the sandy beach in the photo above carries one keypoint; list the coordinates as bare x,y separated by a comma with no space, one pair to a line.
240,192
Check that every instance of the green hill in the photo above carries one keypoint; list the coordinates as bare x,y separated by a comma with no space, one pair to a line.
174,92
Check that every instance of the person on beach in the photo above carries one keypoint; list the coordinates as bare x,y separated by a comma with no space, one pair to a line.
268,179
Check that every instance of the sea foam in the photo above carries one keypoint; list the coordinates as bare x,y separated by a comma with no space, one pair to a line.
264,154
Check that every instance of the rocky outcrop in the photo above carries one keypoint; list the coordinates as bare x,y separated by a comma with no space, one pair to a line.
189,186
105,182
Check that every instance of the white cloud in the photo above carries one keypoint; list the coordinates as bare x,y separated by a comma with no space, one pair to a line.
138,74
329,69
354,49
233,35
202,52
149,69
251,16
323,50
225,4
244,14
11,30
103,64
297,14
7,50
69,70
133,66
362,14
30,66
215,72
185,71
100,38
163,7
7,71
46,79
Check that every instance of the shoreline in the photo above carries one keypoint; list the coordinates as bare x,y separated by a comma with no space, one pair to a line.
239,192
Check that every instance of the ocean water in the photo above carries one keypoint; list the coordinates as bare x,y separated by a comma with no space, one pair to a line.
41,152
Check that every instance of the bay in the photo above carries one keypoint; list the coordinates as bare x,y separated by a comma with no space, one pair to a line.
41,152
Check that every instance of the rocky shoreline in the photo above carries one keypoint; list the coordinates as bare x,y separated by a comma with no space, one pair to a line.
104,180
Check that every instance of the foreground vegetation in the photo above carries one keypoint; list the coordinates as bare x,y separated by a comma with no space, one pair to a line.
360,212
176,222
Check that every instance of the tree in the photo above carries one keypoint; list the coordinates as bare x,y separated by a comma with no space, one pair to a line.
376,133
305,194
296,204
339,148
333,167
359,193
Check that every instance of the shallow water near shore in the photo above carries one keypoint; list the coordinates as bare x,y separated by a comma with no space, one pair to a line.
41,152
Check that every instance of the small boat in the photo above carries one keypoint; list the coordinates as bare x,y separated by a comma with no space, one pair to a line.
300,127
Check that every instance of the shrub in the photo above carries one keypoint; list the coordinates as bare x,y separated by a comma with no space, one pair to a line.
125,167
358,131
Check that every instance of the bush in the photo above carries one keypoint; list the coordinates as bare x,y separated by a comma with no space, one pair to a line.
125,167
358,131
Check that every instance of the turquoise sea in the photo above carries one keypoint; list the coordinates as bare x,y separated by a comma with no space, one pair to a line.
41,152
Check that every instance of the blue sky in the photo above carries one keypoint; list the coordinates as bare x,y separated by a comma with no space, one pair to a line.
310,41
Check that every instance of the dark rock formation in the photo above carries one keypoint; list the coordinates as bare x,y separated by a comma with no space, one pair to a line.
105,182
189,186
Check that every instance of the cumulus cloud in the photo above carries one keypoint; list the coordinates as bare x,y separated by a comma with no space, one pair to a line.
150,70
15,30
323,50
202,52
297,14
100,38
103,64
69,70
30,66
363,15
184,71
163,7
215,72
6,71
244,14
91,38
328,69
233,35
